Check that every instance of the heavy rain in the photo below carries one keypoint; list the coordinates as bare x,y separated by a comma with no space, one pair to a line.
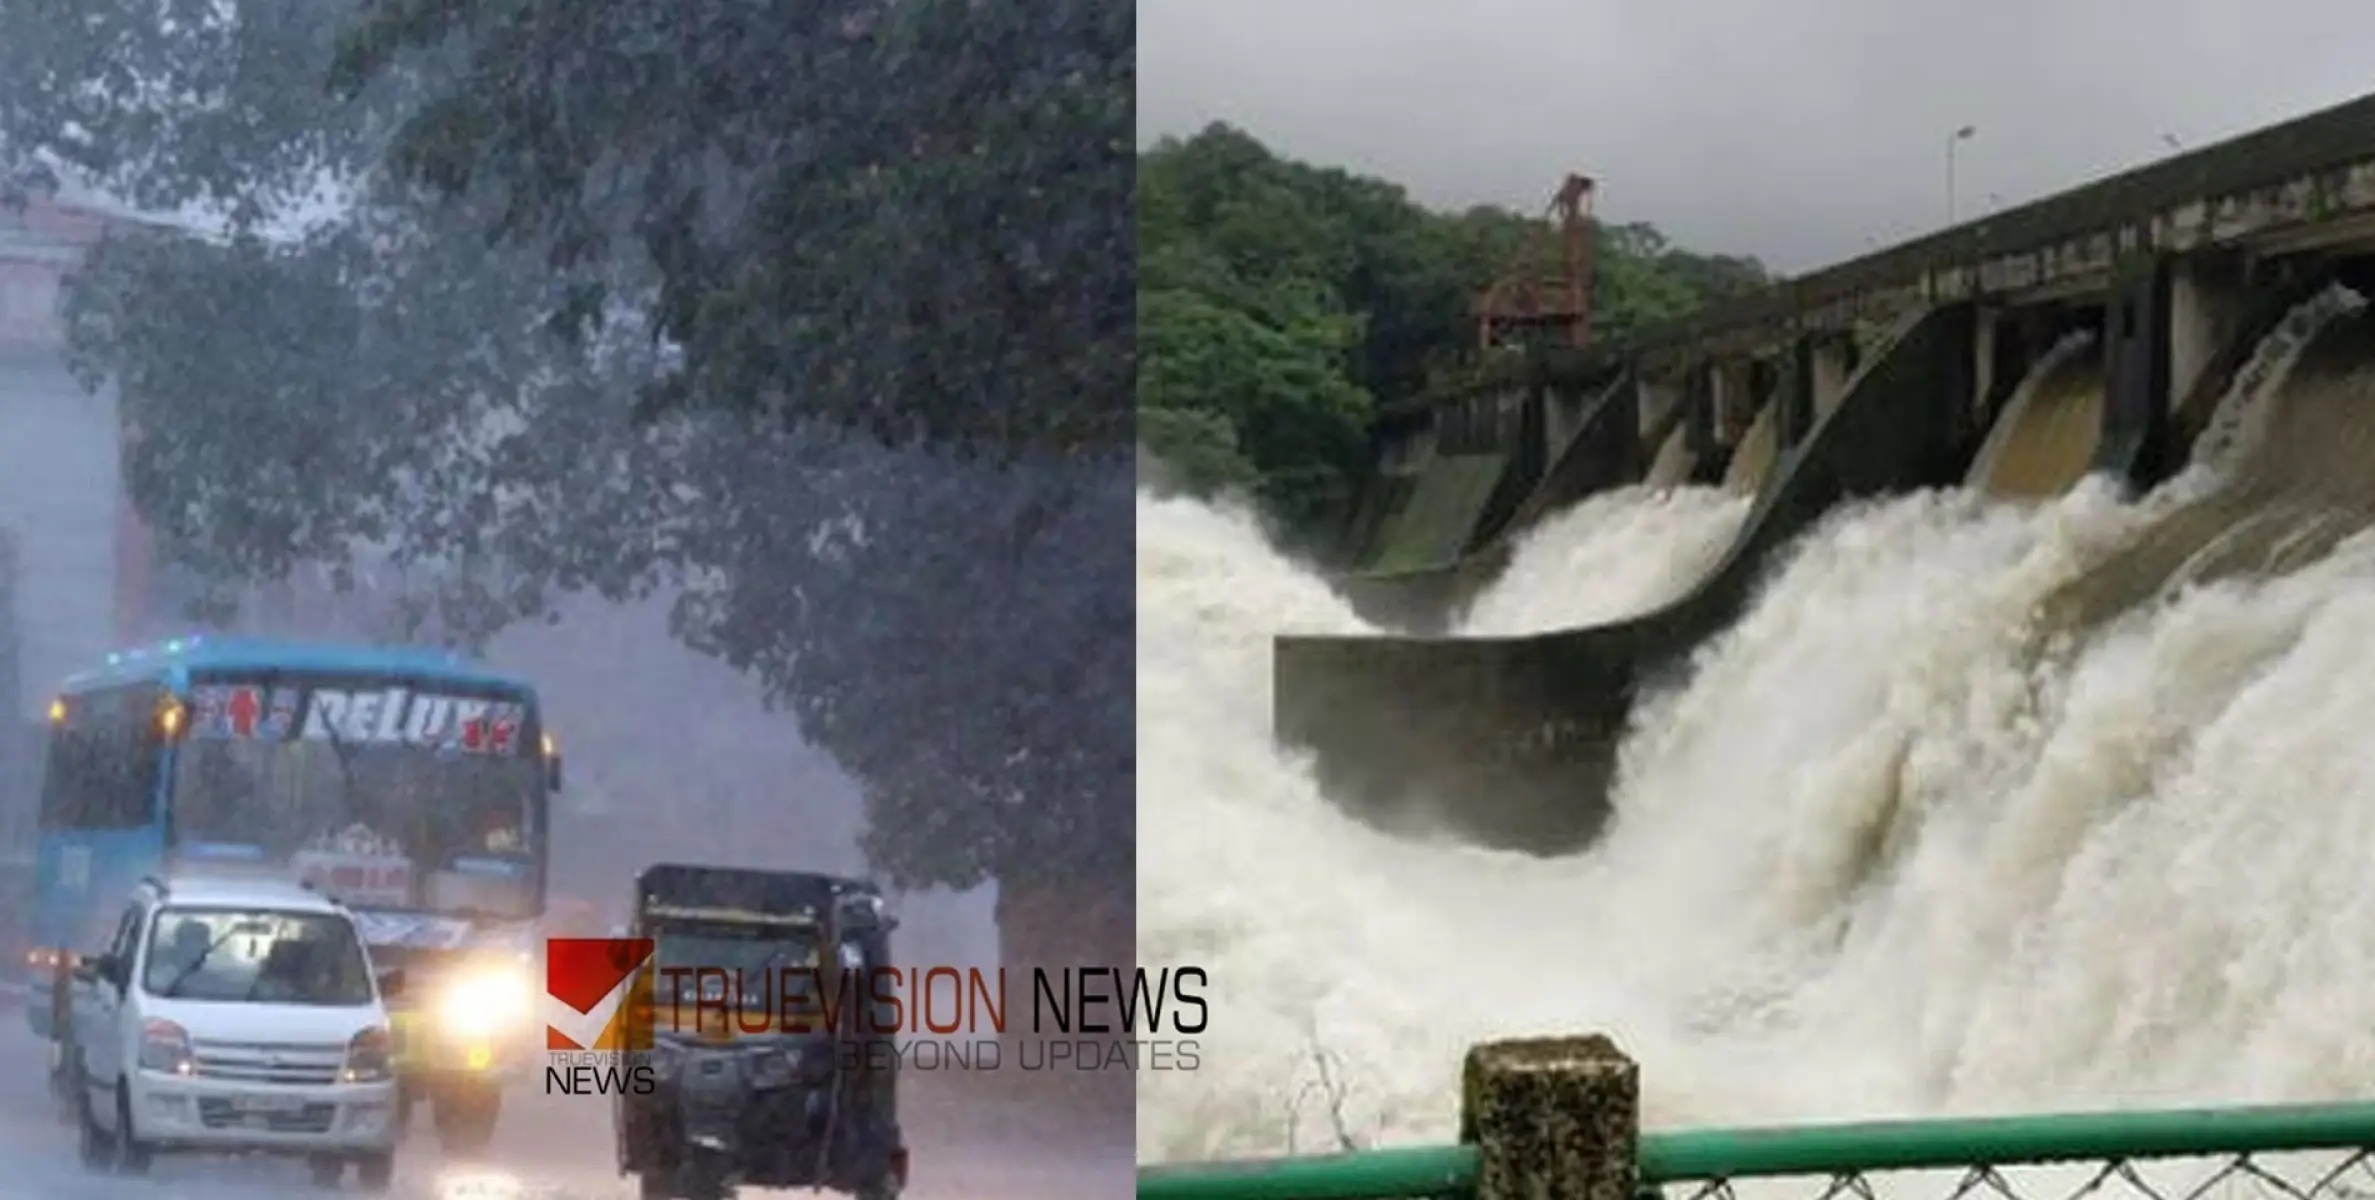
496,472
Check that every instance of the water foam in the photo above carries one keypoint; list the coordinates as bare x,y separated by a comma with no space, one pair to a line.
1620,552
1886,852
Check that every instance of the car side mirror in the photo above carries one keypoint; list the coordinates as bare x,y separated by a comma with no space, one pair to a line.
92,968
391,983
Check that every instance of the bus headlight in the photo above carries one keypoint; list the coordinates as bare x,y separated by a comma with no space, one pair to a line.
484,1002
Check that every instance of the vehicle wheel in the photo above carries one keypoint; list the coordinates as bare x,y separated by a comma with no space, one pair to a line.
375,1172
132,1154
701,1181
880,1189
327,1171
653,1185
98,1146
465,1117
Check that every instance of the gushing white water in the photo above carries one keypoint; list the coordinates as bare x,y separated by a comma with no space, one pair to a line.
1883,855
1621,552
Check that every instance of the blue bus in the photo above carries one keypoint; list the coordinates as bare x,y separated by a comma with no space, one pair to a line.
410,784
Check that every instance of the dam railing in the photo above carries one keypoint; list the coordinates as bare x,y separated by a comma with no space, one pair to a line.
1531,1128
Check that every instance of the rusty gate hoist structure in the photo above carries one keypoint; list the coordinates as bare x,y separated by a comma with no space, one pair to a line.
1539,296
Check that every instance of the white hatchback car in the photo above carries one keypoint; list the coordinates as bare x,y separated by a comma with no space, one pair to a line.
235,1014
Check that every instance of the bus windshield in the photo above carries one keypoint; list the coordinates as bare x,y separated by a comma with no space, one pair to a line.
388,806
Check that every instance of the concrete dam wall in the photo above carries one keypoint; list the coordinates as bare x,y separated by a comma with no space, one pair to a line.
1510,740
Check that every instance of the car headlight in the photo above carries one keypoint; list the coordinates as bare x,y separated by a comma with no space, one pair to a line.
487,1001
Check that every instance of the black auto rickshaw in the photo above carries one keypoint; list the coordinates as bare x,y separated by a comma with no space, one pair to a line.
771,1087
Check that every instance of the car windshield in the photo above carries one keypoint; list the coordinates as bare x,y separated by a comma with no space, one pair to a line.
259,956
411,821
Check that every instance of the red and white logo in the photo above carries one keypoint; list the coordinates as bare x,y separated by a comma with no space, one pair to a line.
593,987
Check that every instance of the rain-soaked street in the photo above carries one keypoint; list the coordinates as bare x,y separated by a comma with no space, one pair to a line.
549,1148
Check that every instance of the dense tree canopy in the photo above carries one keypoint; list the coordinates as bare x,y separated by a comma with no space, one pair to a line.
816,312
1281,304
901,215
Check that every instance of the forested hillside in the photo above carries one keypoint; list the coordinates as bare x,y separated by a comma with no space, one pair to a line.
1280,304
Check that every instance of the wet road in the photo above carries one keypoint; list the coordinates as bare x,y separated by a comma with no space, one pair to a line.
556,1148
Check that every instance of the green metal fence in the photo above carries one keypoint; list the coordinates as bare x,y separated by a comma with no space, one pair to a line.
2177,1155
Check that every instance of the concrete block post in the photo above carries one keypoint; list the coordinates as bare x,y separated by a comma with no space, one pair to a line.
2209,301
2136,370
1660,403
1700,393
1834,362
1987,338
1554,1119
1795,390
1562,417
1723,392
1736,395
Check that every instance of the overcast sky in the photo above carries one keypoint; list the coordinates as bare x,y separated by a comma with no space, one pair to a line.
1802,132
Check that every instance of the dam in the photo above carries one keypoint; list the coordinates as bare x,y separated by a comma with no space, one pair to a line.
2089,335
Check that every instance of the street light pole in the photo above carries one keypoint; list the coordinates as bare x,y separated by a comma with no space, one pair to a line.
1963,134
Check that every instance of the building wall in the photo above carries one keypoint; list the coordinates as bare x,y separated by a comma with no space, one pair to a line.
58,483
61,499
60,477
